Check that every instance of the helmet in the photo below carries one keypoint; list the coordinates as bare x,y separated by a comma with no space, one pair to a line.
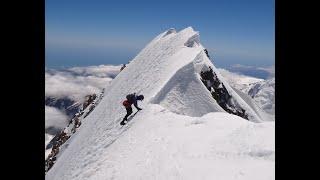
140,97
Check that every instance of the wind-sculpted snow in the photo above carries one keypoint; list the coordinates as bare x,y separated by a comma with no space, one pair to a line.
185,94
181,133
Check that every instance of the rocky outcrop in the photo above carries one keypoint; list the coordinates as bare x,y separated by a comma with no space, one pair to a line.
220,93
61,138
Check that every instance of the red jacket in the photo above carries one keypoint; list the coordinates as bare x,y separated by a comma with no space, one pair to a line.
126,104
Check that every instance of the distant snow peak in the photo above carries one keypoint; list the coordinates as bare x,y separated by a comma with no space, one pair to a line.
260,90
264,94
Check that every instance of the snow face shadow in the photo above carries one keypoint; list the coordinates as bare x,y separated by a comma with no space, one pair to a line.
170,31
262,154
193,41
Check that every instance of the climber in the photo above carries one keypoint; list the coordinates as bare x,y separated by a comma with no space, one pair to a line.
123,66
206,51
131,99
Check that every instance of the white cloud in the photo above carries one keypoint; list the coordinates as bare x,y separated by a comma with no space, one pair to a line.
55,119
77,82
74,83
263,72
48,138
241,66
98,71
270,70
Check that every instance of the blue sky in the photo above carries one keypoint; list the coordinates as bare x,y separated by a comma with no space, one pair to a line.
94,32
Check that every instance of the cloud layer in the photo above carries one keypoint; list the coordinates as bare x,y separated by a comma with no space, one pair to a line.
74,83
259,72
78,82
55,120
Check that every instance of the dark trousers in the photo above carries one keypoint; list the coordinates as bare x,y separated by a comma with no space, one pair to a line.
129,111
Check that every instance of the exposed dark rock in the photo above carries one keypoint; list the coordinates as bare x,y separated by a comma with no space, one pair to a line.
220,93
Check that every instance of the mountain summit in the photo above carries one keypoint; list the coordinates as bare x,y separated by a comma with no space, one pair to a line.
193,124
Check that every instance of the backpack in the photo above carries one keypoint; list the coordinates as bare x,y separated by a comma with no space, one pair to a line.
130,97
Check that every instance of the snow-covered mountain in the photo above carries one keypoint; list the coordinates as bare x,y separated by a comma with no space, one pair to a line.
193,125
263,93
261,90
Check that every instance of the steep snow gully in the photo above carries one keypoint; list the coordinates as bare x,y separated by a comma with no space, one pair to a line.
182,131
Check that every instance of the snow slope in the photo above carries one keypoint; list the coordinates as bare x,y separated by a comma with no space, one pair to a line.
159,144
181,133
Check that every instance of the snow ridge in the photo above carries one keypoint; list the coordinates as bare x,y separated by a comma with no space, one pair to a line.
166,72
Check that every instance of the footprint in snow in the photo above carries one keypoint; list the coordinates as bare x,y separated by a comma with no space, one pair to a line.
195,122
